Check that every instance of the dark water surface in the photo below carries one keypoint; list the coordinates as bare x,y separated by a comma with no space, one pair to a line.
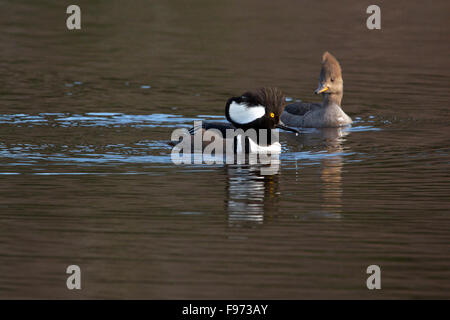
87,178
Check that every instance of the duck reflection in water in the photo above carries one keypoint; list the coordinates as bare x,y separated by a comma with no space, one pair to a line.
331,141
252,194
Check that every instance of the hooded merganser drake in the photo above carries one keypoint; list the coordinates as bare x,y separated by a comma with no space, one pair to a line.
327,114
258,109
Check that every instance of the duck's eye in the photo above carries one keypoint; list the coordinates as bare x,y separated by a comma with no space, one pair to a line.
332,79
272,115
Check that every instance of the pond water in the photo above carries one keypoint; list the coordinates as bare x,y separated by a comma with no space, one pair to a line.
87,178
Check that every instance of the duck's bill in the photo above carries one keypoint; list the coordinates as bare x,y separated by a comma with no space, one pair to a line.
321,89
282,126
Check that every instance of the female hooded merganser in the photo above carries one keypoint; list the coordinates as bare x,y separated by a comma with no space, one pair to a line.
259,109
327,114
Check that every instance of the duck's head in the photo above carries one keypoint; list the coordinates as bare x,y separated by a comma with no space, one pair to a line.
330,79
259,109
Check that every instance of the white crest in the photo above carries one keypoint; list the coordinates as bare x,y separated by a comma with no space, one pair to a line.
242,114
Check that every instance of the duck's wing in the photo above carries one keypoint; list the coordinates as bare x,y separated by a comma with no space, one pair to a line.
221,126
300,108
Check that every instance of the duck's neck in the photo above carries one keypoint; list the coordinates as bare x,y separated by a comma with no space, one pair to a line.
332,98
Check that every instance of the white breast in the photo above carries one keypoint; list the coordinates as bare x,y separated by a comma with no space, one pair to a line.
242,114
256,148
